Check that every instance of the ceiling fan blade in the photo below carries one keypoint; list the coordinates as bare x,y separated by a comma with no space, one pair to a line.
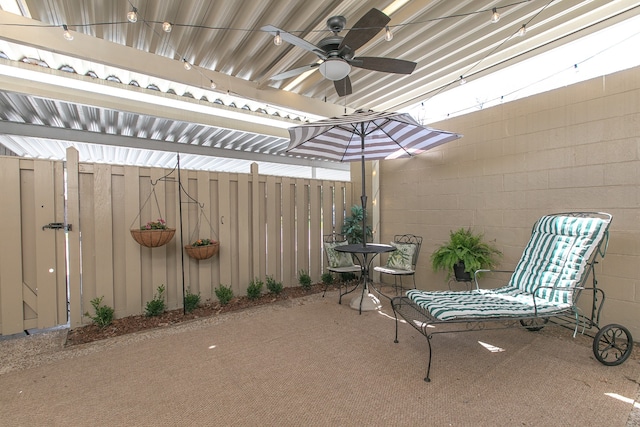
365,29
343,87
294,40
386,65
294,72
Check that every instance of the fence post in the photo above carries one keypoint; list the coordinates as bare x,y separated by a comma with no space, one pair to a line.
73,236
255,220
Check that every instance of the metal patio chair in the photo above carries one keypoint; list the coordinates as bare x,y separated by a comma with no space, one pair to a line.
402,262
338,262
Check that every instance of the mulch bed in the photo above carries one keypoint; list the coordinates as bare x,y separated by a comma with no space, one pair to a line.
131,324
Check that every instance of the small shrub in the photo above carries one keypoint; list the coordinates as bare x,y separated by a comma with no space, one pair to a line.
191,301
255,289
104,313
304,279
224,294
327,278
348,277
273,286
156,306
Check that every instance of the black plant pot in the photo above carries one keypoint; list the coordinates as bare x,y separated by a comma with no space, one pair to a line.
460,274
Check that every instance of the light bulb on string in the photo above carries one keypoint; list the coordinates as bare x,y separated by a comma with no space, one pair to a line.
462,80
522,31
495,16
277,40
213,85
66,33
132,15
166,26
186,64
388,35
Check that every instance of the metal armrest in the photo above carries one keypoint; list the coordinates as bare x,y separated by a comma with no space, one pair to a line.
553,288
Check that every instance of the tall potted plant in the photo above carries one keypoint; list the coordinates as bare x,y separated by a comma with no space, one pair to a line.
463,254
352,227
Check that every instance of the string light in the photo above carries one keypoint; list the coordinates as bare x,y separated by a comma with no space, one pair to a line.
495,16
132,15
67,34
388,35
523,30
213,85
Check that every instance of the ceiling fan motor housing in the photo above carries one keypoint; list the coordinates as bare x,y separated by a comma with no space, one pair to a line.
336,23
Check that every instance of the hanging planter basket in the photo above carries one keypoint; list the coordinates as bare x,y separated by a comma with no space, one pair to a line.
203,252
153,238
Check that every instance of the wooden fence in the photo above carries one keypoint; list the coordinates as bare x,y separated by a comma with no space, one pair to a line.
266,226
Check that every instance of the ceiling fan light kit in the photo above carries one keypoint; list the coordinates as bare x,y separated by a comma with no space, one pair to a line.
335,69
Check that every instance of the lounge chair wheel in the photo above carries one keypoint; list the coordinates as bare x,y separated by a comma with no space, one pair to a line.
534,325
612,345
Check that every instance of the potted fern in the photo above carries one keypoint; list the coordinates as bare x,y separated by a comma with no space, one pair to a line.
464,253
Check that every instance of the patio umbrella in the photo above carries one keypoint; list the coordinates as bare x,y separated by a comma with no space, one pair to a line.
365,135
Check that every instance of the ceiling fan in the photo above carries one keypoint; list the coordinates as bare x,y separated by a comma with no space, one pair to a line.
338,54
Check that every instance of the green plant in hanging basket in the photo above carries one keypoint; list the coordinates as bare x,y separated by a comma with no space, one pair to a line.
153,234
159,224
202,249
203,242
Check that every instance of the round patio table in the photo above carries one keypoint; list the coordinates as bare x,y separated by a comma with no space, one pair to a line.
365,254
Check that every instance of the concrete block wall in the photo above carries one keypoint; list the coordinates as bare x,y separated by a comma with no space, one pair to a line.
575,148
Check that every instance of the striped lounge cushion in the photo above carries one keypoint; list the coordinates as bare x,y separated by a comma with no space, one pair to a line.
557,254
552,265
481,303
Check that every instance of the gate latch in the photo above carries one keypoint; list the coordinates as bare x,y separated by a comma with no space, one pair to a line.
57,226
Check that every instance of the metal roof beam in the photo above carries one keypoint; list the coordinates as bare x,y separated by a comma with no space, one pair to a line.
72,135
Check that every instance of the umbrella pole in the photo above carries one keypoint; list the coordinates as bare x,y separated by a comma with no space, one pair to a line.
363,201
363,198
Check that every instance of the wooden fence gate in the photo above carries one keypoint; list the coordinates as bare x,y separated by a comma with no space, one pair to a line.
33,276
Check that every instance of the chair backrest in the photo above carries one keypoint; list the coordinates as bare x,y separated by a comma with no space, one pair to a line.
410,239
336,259
560,254
334,238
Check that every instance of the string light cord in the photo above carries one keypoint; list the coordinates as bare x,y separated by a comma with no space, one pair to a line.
494,50
550,76
439,90
189,65
469,72
254,30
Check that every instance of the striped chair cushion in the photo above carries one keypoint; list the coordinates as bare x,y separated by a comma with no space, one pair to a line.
556,256
482,303
552,265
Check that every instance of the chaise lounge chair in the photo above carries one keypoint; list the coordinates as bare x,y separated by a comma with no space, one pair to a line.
543,289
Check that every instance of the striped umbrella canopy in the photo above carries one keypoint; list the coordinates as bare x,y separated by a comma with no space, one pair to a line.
365,135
